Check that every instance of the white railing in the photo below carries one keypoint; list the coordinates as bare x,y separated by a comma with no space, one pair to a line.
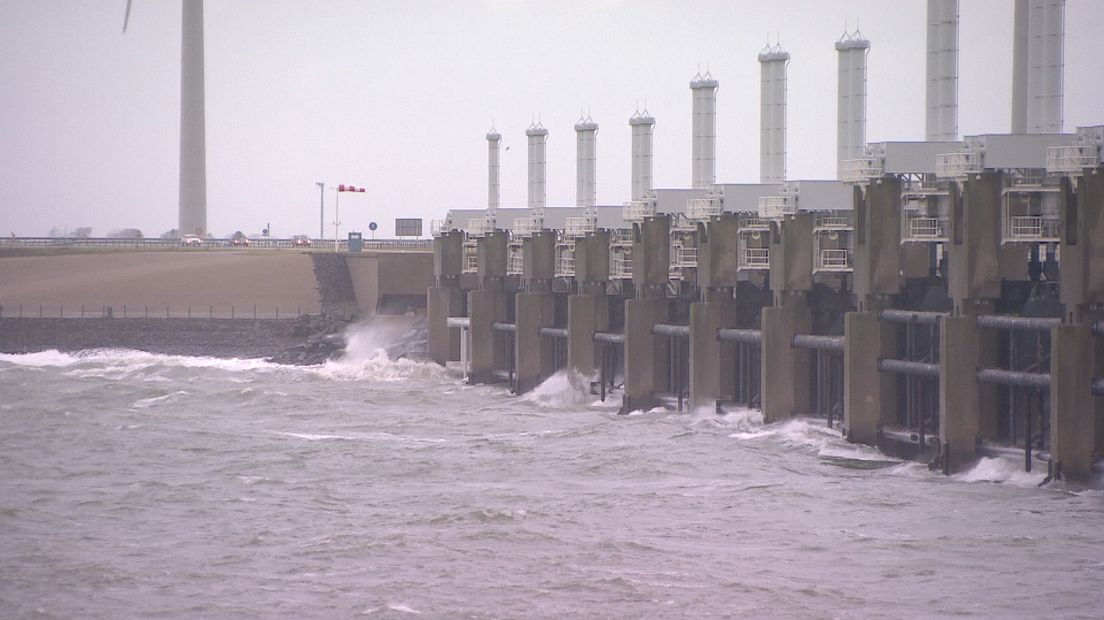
1072,159
957,165
437,227
515,265
861,170
621,267
755,223
525,226
621,238
833,222
637,210
776,207
684,257
834,260
927,229
565,266
755,258
471,259
480,226
700,209
579,226
1032,228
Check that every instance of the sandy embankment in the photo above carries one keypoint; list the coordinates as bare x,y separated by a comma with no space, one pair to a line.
160,279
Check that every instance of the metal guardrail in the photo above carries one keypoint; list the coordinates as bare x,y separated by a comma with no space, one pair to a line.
129,311
745,336
818,343
912,316
905,367
208,244
667,329
1017,323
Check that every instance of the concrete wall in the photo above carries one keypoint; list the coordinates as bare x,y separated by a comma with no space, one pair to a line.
380,275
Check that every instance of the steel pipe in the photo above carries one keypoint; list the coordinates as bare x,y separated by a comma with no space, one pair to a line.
1017,323
911,316
745,336
1098,328
667,329
818,343
609,337
905,367
458,321
1098,386
553,332
504,327
1014,378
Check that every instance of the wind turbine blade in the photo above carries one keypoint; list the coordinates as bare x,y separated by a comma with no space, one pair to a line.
126,16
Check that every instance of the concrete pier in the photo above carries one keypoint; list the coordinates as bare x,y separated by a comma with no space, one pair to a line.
1072,416
645,353
711,378
586,314
785,369
959,392
534,355
869,395
443,302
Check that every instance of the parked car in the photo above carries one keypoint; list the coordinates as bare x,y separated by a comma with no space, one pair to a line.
301,241
239,238
191,239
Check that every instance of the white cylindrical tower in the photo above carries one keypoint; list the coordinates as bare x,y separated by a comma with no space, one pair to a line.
851,106
586,186
1045,65
942,71
772,114
494,140
538,161
643,126
193,148
1038,66
703,88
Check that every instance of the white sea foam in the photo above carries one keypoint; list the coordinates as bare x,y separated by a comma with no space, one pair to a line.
562,389
365,357
1003,470
146,403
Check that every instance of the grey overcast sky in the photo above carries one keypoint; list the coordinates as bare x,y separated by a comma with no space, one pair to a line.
397,96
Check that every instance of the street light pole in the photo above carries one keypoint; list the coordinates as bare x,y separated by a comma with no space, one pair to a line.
337,212
321,210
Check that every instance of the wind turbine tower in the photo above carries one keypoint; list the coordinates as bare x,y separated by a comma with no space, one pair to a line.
193,149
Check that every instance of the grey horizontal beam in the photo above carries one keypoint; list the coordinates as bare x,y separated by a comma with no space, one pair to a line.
667,329
458,321
504,327
1098,328
911,316
818,343
1014,378
553,332
1017,323
905,367
1098,386
609,337
745,336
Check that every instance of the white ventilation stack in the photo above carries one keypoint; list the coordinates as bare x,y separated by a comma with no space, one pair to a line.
851,107
494,140
642,126
772,114
942,71
538,162
586,186
1038,66
704,145
193,149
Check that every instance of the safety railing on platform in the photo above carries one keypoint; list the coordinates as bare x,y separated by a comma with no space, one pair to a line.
925,229
478,226
579,226
160,245
526,226
471,258
958,164
1072,159
861,170
754,258
515,262
832,222
565,265
437,227
701,209
637,210
621,267
833,260
777,207
621,237
1032,228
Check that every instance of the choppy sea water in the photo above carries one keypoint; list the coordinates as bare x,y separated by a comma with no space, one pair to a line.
134,484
